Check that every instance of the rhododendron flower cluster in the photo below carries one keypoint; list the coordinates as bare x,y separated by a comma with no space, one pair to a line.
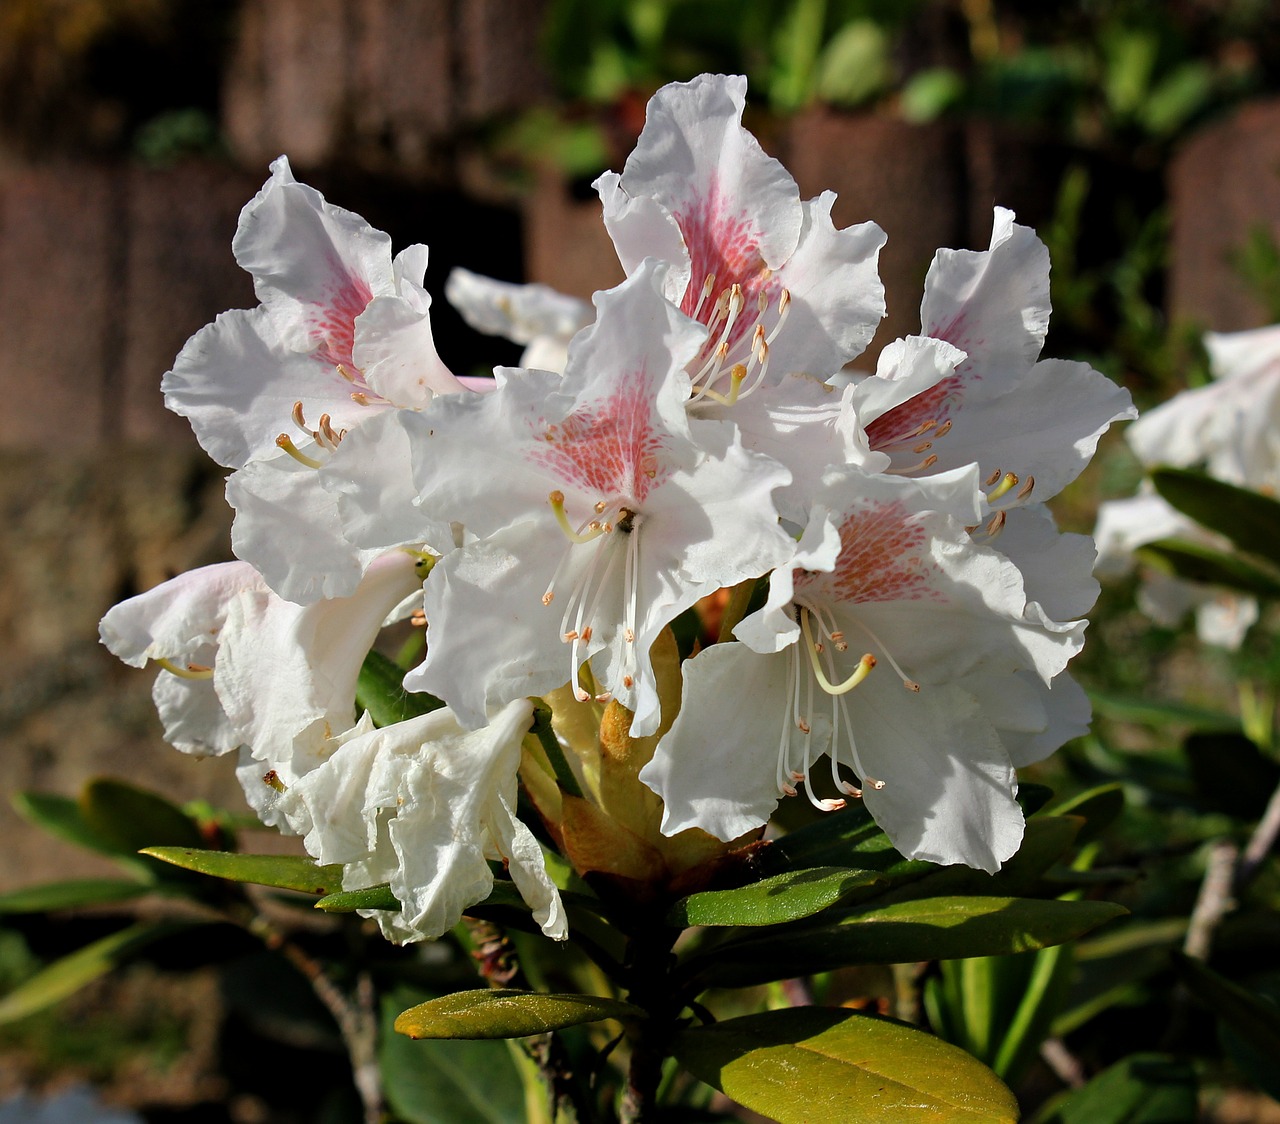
883,607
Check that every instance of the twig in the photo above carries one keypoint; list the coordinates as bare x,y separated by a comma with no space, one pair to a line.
1065,1065
1214,901
357,1022
1260,842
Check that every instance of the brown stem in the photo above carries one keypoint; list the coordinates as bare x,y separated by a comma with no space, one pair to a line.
499,964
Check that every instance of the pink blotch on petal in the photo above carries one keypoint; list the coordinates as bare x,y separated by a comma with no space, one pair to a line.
725,246
909,420
333,321
884,556
611,449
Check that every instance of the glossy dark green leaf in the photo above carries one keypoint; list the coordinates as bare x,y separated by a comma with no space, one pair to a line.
1254,1020
131,818
506,1013
1197,563
1249,520
71,895
1098,808
380,691
1141,1089
948,928
811,1063
446,1082
285,872
772,901
66,976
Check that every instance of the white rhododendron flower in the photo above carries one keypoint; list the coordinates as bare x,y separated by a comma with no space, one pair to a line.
343,333
618,512
779,287
861,653
668,456
424,805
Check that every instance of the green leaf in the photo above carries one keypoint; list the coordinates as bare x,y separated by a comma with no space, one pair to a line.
285,872
1254,1020
458,1082
61,816
66,976
1098,808
131,818
1196,563
811,1063
950,928
771,901
1153,712
855,65
1249,520
380,691
348,901
505,1013
71,895
1141,1089
849,839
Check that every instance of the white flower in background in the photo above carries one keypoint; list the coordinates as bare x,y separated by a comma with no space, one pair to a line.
343,333
1231,427
425,805
872,648
615,513
535,316
779,288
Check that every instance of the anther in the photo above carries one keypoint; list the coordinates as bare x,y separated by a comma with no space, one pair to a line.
837,638
548,597
360,399
586,635
923,447
418,618
1025,490
802,726
992,478
628,682
995,524
286,443
572,634
600,506
297,416
330,434
345,373
629,636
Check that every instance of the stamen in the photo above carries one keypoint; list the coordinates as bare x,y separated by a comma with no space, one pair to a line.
286,443
708,287
1007,484
1025,490
995,524
923,466
298,418
360,399
331,435
191,671
992,478
907,681
345,373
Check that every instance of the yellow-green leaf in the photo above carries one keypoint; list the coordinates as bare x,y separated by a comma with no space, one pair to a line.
810,1063
286,872
507,1014
66,976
